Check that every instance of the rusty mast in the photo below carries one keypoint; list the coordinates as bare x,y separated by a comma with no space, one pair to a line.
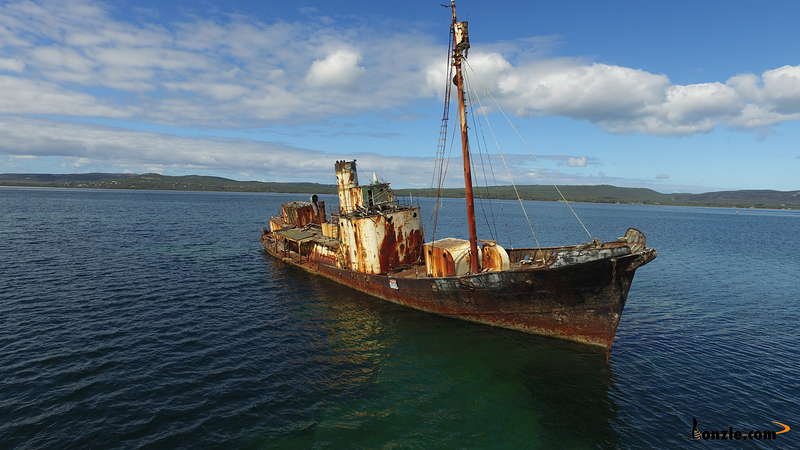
460,46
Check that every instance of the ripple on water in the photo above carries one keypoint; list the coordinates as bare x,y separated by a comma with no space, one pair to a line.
143,319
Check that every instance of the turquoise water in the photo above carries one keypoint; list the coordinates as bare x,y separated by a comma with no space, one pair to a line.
133,319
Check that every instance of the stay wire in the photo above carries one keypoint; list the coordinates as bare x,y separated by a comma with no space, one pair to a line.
443,175
508,171
524,141
440,169
491,225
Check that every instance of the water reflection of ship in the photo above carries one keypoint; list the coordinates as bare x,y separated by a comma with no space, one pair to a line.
398,359
354,330
571,388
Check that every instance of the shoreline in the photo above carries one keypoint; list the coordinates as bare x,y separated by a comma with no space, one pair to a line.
600,202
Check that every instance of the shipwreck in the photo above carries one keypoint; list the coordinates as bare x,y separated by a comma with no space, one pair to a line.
375,244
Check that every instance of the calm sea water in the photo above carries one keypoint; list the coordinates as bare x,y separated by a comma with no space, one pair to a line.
136,319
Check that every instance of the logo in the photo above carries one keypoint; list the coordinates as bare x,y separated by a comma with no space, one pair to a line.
738,435
696,435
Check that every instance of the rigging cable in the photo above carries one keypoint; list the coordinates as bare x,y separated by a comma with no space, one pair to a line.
508,171
444,177
440,168
482,138
491,225
566,202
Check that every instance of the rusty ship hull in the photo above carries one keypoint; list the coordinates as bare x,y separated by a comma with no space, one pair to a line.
580,302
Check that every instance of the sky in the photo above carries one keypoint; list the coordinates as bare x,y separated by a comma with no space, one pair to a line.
678,96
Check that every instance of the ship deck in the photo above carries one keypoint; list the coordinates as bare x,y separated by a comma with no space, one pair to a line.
521,259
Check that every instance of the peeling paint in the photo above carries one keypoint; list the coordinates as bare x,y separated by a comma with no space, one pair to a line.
494,257
350,197
382,242
300,214
447,257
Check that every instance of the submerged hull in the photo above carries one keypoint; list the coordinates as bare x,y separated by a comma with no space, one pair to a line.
580,302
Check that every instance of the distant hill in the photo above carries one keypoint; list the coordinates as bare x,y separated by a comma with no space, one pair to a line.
745,198
156,181
602,193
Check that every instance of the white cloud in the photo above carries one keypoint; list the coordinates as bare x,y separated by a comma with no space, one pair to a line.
234,71
218,91
623,99
89,146
11,65
597,92
782,88
339,68
96,148
699,101
61,58
577,161
686,109
254,71
747,86
149,58
483,68
22,96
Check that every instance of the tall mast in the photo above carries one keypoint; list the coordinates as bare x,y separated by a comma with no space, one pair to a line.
460,45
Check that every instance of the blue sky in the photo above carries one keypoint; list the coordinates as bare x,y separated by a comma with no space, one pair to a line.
677,96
